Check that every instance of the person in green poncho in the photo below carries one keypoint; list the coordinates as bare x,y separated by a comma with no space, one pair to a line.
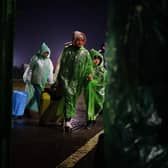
75,72
95,90
36,76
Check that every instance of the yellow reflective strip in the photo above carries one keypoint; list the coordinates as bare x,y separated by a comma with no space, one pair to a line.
80,153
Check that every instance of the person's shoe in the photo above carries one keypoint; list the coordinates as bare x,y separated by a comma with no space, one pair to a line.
90,124
68,126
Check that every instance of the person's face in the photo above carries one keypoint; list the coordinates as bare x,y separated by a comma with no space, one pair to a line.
96,61
45,54
79,42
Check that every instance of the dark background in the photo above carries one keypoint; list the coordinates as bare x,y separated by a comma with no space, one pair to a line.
53,22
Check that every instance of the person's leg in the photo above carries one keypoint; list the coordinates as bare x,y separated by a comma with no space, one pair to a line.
34,96
69,109
37,94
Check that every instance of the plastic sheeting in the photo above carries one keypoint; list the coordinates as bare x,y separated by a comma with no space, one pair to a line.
31,103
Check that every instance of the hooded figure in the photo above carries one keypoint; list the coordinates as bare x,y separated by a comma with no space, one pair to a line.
95,90
38,73
74,73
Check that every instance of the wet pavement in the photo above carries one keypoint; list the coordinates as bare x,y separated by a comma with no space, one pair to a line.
46,147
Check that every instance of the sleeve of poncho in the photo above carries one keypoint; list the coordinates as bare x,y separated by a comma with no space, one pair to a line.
50,78
89,64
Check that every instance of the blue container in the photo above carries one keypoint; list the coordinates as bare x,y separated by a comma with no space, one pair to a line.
19,100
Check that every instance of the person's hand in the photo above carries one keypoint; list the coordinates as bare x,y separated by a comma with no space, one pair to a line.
90,77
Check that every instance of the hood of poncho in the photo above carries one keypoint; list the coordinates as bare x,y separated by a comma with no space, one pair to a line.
94,53
44,48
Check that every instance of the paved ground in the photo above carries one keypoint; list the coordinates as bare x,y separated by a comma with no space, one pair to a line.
34,146
46,147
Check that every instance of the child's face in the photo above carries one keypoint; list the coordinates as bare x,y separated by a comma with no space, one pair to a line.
96,61
45,54
79,42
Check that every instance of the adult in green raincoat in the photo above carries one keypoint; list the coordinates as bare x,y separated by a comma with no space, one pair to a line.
36,76
74,74
95,90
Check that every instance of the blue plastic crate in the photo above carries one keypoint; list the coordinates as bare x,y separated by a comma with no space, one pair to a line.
19,100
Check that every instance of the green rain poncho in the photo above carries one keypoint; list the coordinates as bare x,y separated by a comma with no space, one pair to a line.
75,66
95,90
39,72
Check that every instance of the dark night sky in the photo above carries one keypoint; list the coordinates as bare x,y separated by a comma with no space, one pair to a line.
53,22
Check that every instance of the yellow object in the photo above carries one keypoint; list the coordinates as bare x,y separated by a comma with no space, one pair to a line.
45,102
